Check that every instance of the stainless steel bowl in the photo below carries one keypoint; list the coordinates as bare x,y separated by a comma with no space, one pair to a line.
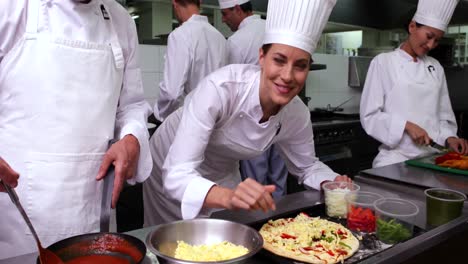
163,240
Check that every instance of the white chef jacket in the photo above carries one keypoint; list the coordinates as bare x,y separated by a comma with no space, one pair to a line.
49,187
243,46
386,106
84,22
194,50
201,144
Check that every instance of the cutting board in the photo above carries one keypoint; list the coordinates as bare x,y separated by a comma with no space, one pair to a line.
429,163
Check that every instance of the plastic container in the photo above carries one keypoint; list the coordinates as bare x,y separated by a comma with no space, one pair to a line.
361,211
335,202
443,205
394,219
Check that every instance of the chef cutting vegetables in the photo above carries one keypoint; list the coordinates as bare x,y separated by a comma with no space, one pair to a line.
405,103
235,113
69,84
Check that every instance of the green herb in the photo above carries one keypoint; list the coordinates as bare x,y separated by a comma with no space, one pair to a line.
344,244
329,239
392,231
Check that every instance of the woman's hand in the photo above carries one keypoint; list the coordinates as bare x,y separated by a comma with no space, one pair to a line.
248,195
7,175
342,178
417,134
251,195
460,145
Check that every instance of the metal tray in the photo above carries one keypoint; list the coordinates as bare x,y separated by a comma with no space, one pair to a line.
429,163
368,246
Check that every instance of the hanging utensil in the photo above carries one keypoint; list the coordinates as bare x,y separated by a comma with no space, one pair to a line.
108,186
46,256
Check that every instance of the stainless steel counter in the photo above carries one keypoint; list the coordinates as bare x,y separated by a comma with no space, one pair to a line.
396,254
422,177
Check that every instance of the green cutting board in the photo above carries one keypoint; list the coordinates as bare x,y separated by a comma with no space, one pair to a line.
428,162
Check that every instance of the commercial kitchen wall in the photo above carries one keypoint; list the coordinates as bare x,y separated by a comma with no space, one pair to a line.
328,86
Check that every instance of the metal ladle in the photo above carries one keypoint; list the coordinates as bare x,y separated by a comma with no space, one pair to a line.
45,255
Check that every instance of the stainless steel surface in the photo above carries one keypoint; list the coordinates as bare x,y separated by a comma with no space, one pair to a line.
357,70
108,186
162,241
419,176
386,187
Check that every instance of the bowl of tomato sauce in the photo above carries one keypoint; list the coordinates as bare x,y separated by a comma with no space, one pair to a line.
98,248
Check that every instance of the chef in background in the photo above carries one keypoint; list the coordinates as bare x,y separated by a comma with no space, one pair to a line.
7,175
236,113
194,50
243,47
405,102
69,84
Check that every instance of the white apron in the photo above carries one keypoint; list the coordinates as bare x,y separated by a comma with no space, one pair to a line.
225,147
58,102
415,98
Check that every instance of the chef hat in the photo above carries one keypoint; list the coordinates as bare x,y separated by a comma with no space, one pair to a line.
223,4
298,23
435,13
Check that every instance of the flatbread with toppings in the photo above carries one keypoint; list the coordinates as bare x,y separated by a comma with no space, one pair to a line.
309,239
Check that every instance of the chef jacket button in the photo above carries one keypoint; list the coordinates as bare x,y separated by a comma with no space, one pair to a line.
241,115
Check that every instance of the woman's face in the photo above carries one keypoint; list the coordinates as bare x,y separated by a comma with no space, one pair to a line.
284,72
422,39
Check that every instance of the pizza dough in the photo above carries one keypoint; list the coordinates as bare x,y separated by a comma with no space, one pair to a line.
309,239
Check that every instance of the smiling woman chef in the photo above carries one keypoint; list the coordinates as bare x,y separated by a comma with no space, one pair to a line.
236,113
405,102
69,83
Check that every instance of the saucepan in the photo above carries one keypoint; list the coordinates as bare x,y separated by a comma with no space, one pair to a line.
102,247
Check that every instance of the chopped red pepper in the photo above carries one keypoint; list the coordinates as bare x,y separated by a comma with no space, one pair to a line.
448,156
341,252
361,219
287,236
330,253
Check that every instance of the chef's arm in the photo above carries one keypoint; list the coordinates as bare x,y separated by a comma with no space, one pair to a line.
12,24
133,111
248,195
177,63
7,175
181,179
387,128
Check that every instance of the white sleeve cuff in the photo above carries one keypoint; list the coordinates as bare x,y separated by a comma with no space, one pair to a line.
194,197
145,163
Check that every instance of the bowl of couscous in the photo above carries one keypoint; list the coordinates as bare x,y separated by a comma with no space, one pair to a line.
204,241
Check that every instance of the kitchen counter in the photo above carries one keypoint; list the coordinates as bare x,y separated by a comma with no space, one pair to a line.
399,253
422,177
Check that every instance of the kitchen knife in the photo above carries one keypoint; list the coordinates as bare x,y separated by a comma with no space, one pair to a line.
441,148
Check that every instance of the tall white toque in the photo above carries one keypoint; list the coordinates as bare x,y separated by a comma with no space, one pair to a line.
298,23
223,4
435,13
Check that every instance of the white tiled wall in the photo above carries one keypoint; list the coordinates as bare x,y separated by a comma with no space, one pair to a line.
151,59
330,86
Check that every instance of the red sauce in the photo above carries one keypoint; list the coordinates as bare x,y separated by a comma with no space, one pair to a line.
100,246
97,259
